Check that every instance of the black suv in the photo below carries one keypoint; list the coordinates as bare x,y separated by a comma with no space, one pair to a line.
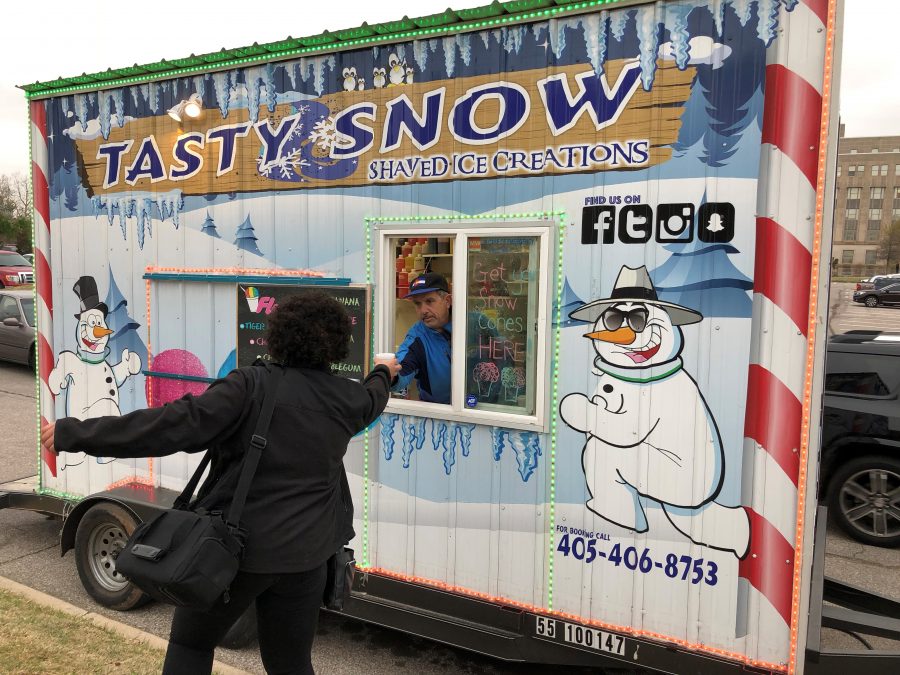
860,474
882,291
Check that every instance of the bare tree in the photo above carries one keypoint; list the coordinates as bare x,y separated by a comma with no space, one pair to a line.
15,211
889,248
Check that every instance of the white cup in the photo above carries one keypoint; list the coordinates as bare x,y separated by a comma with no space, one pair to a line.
385,356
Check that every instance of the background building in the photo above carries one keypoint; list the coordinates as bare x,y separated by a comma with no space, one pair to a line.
867,200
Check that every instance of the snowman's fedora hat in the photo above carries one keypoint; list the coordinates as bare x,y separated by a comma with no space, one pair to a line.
635,285
86,290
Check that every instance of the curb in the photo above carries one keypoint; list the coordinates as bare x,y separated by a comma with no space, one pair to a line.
122,629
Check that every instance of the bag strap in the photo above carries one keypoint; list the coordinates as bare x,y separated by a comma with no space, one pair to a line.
257,443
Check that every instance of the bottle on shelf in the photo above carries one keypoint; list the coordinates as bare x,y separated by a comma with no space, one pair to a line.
400,263
406,248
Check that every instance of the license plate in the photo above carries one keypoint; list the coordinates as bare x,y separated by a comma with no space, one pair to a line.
582,636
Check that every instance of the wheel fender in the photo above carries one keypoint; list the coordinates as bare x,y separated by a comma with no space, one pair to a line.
70,524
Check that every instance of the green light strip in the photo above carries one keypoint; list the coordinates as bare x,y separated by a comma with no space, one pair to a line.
34,306
554,406
551,12
447,218
369,277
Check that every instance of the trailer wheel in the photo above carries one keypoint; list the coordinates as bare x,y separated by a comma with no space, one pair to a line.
101,534
243,632
865,499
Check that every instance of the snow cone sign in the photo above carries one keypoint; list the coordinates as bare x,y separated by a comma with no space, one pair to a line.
624,444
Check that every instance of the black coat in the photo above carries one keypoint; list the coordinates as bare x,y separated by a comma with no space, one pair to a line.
297,514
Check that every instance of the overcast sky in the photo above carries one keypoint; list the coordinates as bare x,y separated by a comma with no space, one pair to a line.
40,40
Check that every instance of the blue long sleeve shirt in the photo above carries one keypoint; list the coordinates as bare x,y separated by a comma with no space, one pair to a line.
425,357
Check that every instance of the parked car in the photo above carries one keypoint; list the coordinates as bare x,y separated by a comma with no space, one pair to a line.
885,291
860,470
872,282
17,326
29,257
15,270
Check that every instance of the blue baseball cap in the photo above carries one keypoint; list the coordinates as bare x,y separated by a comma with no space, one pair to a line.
428,283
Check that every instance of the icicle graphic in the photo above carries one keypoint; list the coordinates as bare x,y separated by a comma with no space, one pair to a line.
420,53
539,28
594,28
558,33
449,445
676,23
413,433
497,442
388,422
136,96
742,9
464,43
526,445
512,38
222,85
438,433
617,23
648,34
199,84
145,219
400,50
465,437
271,93
119,97
717,9
254,88
106,102
319,63
767,12
82,110
155,96
790,4
485,38
449,55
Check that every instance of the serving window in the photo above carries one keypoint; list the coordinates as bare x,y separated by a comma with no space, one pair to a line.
496,340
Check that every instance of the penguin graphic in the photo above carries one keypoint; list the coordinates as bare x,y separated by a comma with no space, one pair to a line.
360,84
649,434
398,72
378,78
409,75
91,383
349,78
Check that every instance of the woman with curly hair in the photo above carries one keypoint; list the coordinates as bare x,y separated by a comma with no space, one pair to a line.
298,511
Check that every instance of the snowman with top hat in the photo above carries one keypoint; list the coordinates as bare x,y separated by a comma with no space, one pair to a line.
91,383
649,434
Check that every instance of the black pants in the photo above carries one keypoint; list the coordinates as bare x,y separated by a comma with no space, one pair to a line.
287,608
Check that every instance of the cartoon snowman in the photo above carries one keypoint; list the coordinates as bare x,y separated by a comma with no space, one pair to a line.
91,383
649,433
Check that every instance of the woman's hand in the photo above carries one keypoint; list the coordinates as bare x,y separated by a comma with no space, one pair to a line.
392,364
48,431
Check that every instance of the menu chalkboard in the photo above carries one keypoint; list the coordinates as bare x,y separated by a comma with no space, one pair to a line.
255,302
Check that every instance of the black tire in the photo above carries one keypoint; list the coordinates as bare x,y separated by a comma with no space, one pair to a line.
864,498
871,301
31,360
243,632
101,534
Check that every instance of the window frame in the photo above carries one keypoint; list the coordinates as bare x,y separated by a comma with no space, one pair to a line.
547,232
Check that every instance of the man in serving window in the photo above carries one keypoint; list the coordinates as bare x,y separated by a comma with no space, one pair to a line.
425,352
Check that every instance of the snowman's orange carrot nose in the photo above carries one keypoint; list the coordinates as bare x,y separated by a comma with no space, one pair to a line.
100,331
620,336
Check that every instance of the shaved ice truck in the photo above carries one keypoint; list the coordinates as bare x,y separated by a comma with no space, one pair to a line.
629,201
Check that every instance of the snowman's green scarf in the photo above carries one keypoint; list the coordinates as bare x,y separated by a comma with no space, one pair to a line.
88,357
640,375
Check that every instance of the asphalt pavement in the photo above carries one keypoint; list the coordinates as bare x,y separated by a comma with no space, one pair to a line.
29,554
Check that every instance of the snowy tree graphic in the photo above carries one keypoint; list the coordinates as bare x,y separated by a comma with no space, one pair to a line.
209,227
699,275
245,237
125,328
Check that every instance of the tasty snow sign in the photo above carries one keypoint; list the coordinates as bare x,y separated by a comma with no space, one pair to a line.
548,121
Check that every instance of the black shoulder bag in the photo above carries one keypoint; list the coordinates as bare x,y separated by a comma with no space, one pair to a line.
189,558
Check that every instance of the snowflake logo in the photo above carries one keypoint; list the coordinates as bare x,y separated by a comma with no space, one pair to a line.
285,167
298,131
324,134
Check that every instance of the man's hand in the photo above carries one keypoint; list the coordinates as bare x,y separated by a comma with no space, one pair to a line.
392,364
48,432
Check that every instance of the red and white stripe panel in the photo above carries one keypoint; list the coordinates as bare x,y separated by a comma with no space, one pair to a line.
785,228
42,274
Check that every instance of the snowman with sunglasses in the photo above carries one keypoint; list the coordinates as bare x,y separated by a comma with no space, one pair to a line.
649,434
